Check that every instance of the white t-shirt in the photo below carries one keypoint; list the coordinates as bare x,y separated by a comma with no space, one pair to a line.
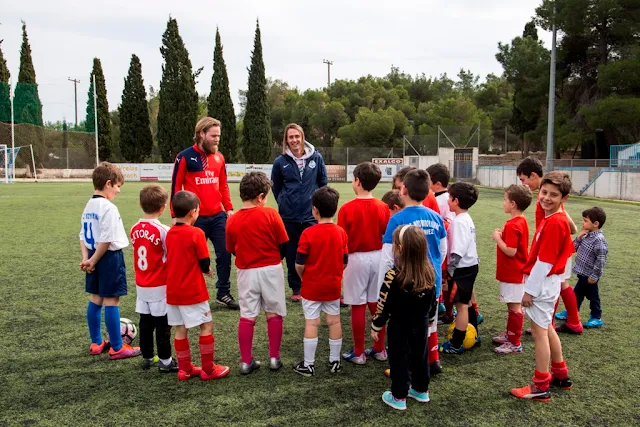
462,240
443,204
101,223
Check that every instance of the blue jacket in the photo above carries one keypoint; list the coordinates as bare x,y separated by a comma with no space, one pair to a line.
292,191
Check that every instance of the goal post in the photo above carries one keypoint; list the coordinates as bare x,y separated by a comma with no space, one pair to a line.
8,158
4,176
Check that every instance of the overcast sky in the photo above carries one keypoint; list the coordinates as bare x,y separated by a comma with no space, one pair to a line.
360,37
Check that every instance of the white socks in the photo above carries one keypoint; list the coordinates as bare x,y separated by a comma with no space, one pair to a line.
310,345
334,349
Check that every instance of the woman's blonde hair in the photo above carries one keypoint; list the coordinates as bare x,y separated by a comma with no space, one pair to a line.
410,250
286,129
203,125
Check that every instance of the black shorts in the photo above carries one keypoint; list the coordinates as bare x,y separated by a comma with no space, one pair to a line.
464,278
110,276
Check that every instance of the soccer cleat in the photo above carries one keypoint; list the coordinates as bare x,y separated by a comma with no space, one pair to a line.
435,368
378,355
354,358
528,331
304,370
565,384
500,339
448,348
387,373
296,297
96,349
342,303
593,323
218,372
562,315
445,319
420,397
335,367
194,372
508,348
228,301
125,352
247,368
478,342
480,318
148,363
441,308
399,404
531,392
570,329
170,367
275,363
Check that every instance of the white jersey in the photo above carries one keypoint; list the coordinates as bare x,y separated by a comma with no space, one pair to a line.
101,223
462,240
443,204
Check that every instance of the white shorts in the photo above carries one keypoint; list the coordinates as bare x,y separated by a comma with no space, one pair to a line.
312,309
189,316
154,308
567,270
433,327
541,311
360,280
511,292
261,288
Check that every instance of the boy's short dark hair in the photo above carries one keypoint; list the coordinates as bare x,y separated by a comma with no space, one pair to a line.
521,195
528,166
253,184
325,199
595,214
466,193
184,202
439,173
559,179
368,174
106,172
392,198
153,198
401,174
416,182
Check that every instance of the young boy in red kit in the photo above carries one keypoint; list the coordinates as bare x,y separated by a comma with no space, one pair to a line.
364,219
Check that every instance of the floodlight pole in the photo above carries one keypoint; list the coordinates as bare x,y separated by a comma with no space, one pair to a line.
552,96
13,135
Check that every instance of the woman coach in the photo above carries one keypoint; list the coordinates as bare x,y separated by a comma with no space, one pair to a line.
296,174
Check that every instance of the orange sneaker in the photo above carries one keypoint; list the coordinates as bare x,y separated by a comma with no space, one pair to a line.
195,371
531,392
96,349
218,372
124,353
387,373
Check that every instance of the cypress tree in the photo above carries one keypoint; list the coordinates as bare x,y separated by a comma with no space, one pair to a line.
257,123
135,133
178,109
105,145
26,104
220,106
5,101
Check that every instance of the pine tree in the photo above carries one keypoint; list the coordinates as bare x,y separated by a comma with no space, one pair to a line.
135,133
220,106
257,127
5,101
178,109
105,145
26,104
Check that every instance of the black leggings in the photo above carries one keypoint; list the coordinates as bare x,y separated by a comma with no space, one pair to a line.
148,324
408,353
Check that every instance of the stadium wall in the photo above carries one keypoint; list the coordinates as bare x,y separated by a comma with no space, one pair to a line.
503,176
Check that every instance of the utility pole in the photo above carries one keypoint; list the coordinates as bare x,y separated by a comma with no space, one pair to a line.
329,64
75,90
552,96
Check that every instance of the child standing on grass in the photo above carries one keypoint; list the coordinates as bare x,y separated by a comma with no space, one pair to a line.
187,294
320,262
512,251
550,250
364,219
148,237
102,238
393,201
257,237
408,302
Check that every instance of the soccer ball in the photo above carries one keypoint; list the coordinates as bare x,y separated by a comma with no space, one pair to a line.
469,338
128,330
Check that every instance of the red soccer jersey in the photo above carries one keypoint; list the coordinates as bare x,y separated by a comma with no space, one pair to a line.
551,244
515,234
325,247
365,222
254,236
431,202
149,253
540,213
185,281
206,176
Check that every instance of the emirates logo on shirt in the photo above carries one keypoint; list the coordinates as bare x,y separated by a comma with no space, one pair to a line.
209,178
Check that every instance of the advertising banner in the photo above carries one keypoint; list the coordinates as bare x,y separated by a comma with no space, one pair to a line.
235,172
259,168
389,167
130,171
156,172
336,173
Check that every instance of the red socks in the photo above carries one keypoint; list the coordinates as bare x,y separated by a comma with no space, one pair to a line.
571,305
515,322
274,332
559,370
245,339
206,353
183,353
542,380
475,307
432,346
358,326
378,346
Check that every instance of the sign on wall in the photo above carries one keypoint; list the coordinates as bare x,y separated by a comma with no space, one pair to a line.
130,171
336,173
156,172
235,172
389,167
